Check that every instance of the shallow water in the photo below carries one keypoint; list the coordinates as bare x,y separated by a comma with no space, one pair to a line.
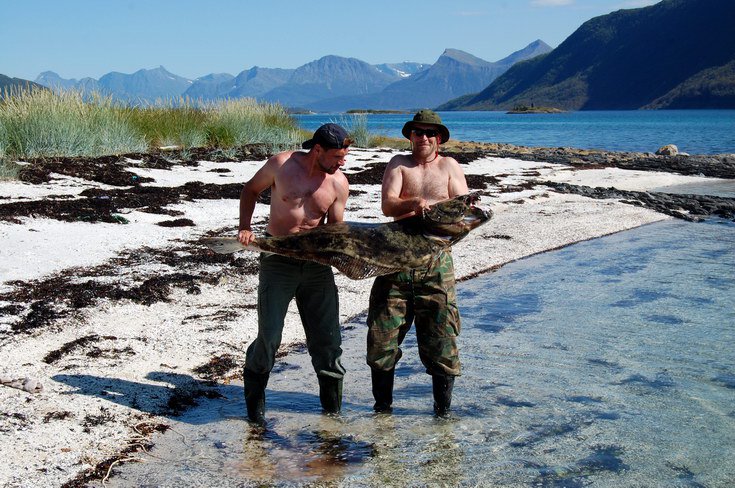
606,363
721,188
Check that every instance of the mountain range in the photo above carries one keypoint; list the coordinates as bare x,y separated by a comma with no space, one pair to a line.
674,54
455,73
331,83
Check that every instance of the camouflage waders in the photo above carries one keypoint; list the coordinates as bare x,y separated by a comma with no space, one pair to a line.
425,296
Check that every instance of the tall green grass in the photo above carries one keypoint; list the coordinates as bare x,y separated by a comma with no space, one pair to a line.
245,121
169,123
222,124
40,123
357,127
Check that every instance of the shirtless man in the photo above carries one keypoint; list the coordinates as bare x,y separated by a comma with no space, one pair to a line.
307,189
425,296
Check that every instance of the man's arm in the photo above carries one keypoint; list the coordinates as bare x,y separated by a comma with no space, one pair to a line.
391,202
336,212
457,181
261,180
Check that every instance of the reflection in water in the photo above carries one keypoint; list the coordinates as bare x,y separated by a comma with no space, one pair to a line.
608,363
309,455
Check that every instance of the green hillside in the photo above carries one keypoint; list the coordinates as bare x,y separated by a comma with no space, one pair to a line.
674,54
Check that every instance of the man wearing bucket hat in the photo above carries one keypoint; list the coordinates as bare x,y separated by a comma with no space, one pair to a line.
307,190
426,296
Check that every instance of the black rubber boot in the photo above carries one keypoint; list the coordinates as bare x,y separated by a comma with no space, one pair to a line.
442,387
255,396
330,394
383,390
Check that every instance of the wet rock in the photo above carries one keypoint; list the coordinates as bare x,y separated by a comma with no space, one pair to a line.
668,150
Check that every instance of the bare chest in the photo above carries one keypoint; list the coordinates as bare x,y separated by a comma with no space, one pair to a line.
296,190
425,181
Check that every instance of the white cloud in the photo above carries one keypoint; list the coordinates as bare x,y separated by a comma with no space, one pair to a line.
551,3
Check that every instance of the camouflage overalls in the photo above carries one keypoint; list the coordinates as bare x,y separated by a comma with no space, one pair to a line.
426,296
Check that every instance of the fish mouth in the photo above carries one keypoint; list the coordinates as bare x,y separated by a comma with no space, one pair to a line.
453,219
473,220
454,210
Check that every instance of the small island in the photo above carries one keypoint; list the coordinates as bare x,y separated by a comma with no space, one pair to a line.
525,109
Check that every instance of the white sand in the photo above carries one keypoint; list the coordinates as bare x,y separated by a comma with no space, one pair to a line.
159,345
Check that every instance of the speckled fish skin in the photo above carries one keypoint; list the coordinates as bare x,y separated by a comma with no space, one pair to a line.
362,250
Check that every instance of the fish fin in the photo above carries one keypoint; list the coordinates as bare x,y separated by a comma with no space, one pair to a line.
355,268
226,245
445,241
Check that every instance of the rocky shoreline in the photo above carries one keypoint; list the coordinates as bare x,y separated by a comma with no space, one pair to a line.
714,166
111,170
688,207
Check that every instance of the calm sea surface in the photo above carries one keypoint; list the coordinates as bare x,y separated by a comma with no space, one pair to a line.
693,131
607,363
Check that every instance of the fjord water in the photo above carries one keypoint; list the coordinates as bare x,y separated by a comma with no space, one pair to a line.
693,131
607,363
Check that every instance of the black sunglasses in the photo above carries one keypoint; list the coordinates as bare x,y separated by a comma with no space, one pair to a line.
425,132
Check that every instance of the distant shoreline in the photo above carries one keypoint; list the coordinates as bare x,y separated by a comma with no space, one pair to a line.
535,110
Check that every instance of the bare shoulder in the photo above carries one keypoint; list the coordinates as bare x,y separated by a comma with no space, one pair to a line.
340,180
278,160
449,161
398,160
451,165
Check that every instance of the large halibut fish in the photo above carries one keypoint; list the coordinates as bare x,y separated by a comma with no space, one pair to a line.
363,250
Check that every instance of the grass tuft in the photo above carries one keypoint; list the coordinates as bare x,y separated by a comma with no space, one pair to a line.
244,121
356,125
40,123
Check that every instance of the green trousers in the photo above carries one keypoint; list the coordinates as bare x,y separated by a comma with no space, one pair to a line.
282,279
425,296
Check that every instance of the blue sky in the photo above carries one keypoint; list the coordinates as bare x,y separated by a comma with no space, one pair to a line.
192,38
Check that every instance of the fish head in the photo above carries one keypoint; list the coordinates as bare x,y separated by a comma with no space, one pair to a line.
451,220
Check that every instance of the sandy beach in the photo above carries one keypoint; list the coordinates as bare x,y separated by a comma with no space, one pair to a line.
108,329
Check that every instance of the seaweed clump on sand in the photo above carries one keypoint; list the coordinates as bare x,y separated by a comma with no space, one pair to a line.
52,298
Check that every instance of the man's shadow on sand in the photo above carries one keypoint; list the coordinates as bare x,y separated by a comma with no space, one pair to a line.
179,393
